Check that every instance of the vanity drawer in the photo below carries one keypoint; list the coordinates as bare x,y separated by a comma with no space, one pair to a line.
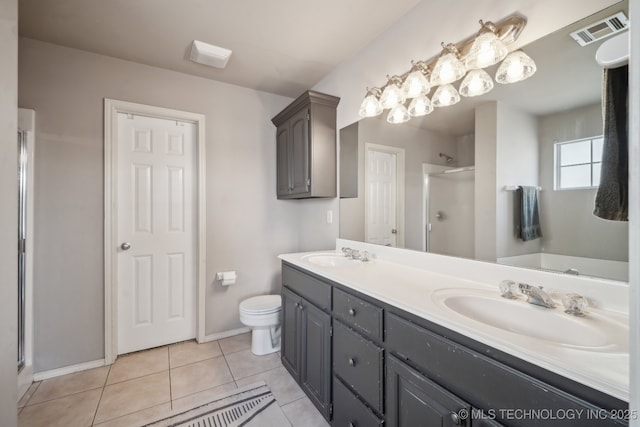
310,288
358,362
357,313
480,380
348,410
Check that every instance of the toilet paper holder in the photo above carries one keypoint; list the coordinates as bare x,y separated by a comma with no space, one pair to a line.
227,278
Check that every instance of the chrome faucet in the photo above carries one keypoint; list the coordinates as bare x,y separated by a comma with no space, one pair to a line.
535,295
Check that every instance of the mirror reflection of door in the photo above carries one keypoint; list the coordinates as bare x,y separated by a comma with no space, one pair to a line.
451,213
383,190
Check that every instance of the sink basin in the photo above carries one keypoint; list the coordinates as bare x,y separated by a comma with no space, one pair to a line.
593,331
330,260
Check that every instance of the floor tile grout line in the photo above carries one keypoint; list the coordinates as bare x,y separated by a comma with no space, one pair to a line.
95,413
169,371
32,394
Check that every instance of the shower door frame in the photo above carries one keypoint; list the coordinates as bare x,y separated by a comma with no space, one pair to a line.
26,126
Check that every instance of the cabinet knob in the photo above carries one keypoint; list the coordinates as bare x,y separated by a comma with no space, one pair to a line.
352,361
352,424
455,418
352,312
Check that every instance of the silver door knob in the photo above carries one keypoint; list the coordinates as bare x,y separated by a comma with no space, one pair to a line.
125,246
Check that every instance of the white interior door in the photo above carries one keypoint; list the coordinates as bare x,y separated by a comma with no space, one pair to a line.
156,223
381,198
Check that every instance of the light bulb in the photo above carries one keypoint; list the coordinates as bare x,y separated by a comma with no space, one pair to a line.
445,95
370,106
486,50
477,82
448,69
415,84
517,66
392,95
420,106
398,114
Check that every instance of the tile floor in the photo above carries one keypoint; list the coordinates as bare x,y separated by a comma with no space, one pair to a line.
148,385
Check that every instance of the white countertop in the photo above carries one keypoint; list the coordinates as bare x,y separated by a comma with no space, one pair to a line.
412,289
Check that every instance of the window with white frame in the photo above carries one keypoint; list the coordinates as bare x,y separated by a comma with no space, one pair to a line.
577,163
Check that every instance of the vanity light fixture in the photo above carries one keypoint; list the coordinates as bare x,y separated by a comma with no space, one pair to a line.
487,49
416,83
448,68
517,66
398,114
371,106
465,59
476,83
420,106
392,94
445,96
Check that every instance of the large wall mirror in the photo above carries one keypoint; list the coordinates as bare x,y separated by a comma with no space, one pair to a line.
444,183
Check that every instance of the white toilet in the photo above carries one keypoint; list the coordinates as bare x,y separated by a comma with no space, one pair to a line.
262,315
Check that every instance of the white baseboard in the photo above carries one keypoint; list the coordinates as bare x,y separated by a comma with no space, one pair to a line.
226,334
45,375
52,373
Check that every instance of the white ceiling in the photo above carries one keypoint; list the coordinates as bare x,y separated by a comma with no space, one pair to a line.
279,46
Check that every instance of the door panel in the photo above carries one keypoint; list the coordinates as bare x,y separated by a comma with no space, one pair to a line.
156,217
291,332
381,198
300,152
316,354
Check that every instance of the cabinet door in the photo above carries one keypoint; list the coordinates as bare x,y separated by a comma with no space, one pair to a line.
413,400
283,173
299,146
291,333
315,375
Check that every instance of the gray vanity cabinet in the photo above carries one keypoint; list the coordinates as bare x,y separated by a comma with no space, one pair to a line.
364,362
413,400
306,147
306,336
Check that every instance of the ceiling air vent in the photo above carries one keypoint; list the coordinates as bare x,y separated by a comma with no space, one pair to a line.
601,29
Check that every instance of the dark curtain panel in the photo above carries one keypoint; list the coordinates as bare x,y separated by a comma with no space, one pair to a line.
613,194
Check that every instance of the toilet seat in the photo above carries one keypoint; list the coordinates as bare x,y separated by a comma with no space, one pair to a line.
263,304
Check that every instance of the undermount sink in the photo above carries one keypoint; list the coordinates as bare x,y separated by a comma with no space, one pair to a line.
592,332
330,260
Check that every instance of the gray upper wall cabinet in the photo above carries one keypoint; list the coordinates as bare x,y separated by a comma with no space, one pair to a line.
306,147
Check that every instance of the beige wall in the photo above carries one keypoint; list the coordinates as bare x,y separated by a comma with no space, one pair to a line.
516,164
247,227
9,211
421,146
569,226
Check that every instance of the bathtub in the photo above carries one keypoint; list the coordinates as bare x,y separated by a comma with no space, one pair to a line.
614,270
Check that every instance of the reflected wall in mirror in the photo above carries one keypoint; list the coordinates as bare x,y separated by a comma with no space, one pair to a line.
443,183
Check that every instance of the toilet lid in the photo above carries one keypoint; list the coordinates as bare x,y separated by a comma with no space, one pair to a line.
261,304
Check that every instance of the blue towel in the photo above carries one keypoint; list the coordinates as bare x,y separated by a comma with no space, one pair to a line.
529,217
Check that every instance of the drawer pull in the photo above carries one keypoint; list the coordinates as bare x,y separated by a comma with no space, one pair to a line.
455,418
352,361
352,312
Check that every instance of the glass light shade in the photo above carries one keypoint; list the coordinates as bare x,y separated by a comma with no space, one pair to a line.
370,107
476,83
486,50
420,106
398,114
445,95
391,96
517,66
448,69
415,84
